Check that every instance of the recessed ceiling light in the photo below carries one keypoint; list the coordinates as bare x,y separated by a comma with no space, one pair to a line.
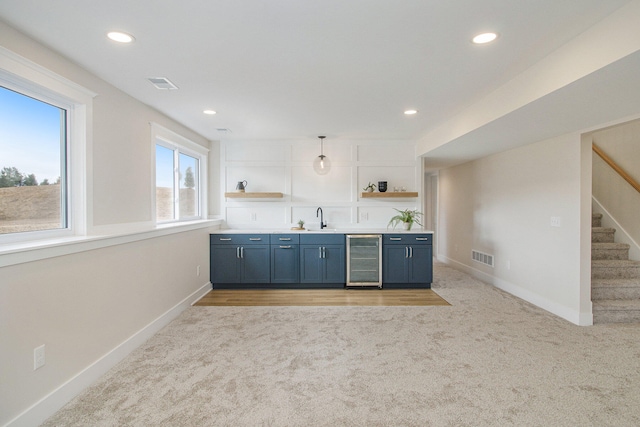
411,112
484,38
210,112
120,37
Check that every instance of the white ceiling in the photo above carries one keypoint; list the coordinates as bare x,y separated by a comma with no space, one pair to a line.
292,69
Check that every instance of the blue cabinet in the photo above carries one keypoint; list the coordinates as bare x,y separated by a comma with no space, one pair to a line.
285,258
313,260
239,259
407,260
322,259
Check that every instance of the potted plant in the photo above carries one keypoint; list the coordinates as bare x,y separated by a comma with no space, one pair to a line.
370,187
301,224
406,217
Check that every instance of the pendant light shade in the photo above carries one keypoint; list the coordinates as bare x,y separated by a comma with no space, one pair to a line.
321,164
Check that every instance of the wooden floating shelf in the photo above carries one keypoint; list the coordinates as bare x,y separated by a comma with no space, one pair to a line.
390,194
245,195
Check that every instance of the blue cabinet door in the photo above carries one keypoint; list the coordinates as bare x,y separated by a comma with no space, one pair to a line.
285,263
334,265
421,264
311,264
255,264
225,264
394,264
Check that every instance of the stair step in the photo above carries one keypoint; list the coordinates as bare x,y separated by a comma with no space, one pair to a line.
596,220
609,251
602,234
615,289
615,269
616,311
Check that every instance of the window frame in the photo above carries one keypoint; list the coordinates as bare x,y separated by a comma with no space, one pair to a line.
29,79
179,145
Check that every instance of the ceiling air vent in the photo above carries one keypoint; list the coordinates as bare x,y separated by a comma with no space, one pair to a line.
162,83
482,258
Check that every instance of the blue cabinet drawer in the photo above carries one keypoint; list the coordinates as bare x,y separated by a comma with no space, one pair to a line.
285,239
239,239
407,239
322,239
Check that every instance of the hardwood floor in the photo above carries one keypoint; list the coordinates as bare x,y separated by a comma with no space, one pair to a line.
322,297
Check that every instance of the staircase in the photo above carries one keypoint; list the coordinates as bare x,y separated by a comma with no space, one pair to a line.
615,280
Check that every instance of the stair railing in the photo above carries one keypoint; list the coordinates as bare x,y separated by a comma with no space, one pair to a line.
615,167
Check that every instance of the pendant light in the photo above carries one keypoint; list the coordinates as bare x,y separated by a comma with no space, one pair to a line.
321,164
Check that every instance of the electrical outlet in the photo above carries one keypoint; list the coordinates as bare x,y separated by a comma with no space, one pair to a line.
508,264
38,357
198,271
364,216
555,221
254,217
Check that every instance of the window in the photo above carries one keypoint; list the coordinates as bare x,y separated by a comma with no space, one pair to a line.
43,119
179,175
33,147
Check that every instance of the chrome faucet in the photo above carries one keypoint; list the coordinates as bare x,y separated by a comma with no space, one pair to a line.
322,223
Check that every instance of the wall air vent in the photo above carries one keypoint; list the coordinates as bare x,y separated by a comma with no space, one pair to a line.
482,258
162,83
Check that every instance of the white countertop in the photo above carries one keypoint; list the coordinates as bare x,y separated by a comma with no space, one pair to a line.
324,231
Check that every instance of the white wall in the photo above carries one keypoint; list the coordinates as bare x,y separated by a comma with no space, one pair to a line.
83,306
287,167
621,201
502,205
90,307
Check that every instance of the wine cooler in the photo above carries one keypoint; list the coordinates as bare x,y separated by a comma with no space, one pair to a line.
364,260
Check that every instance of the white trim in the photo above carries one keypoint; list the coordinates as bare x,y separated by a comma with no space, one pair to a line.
20,65
573,316
170,136
34,251
55,400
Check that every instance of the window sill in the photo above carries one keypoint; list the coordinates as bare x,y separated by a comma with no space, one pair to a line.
19,253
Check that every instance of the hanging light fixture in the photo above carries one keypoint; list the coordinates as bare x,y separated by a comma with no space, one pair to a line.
321,164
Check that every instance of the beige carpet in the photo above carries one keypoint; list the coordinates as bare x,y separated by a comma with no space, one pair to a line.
489,359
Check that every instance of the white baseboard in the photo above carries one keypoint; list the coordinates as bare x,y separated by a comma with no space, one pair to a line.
573,316
50,404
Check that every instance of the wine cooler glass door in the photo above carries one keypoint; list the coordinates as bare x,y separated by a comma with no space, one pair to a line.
364,260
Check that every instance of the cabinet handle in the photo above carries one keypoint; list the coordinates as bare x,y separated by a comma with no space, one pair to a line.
286,239
410,252
241,252
285,247
395,238
406,252
320,252
324,252
422,238
225,240
255,239
238,252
